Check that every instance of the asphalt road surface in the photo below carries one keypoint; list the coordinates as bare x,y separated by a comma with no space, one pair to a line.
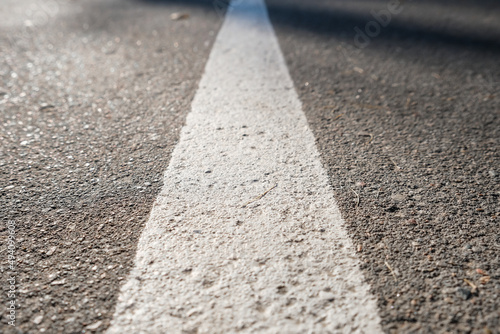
402,100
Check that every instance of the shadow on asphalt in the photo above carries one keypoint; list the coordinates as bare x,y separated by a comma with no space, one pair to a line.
467,25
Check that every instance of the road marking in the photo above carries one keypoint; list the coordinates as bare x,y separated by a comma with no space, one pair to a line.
245,235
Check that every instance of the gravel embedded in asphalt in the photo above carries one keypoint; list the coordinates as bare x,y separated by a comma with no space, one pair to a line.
408,128
92,102
93,95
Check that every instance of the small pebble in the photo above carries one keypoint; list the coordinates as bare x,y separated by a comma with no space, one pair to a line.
398,197
51,250
94,325
463,293
38,320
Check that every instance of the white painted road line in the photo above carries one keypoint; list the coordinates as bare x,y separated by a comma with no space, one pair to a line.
245,235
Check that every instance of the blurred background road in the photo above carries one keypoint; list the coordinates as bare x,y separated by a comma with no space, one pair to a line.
404,107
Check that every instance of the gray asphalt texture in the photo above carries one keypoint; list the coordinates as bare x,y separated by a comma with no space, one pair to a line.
93,95
409,130
92,102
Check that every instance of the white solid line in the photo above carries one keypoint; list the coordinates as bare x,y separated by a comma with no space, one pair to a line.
245,235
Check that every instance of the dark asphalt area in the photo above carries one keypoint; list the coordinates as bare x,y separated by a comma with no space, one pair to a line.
93,95
409,130
92,102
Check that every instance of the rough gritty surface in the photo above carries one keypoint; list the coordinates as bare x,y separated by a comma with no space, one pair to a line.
245,235
92,101
419,146
408,129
